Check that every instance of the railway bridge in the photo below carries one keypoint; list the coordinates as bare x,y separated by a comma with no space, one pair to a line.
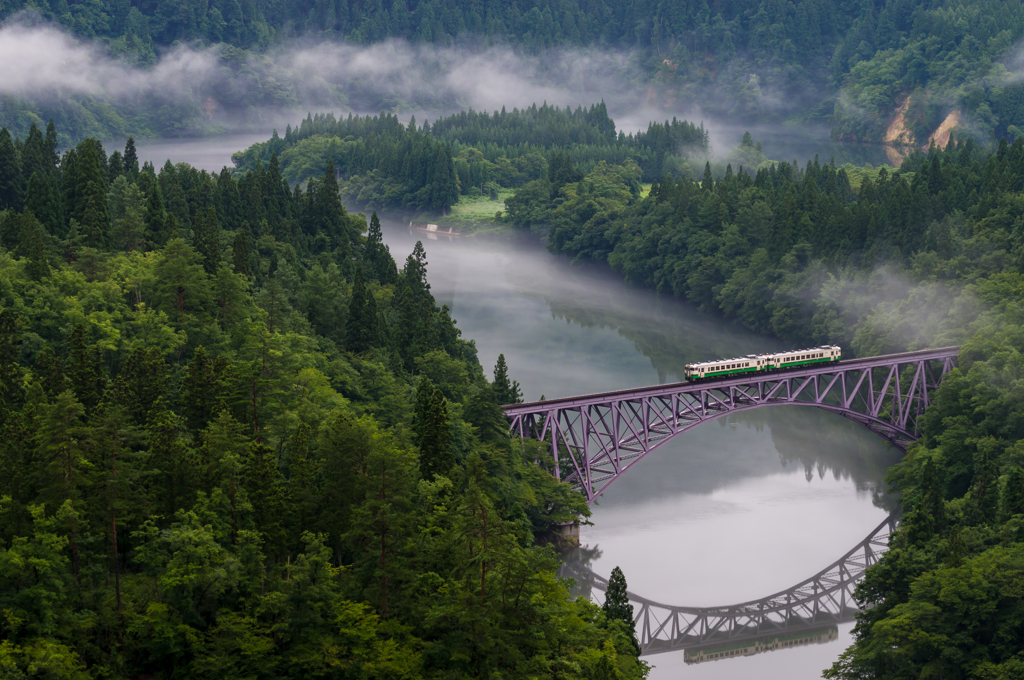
823,599
596,438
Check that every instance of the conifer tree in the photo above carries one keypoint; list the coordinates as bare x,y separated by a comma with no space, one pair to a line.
60,435
50,157
127,205
33,247
444,187
984,486
94,220
421,409
85,369
240,253
42,197
130,159
435,445
173,196
382,523
115,167
361,322
11,391
34,155
505,391
616,604
90,193
379,263
11,181
1012,497
228,208
206,239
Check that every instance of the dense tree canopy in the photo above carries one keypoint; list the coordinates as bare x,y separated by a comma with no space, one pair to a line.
213,462
848,65
929,255
387,164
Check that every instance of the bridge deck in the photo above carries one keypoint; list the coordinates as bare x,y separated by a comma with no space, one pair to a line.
654,390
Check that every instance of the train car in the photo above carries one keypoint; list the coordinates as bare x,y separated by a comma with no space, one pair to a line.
797,358
762,363
723,368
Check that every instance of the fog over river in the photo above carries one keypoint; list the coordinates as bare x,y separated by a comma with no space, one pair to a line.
734,510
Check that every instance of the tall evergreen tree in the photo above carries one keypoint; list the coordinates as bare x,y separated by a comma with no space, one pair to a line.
130,159
505,391
85,369
33,247
206,239
616,603
240,253
444,183
380,265
360,325
11,181
436,456
11,390
42,197
1012,497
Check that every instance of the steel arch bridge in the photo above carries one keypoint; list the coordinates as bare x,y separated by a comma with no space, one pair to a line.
823,599
596,438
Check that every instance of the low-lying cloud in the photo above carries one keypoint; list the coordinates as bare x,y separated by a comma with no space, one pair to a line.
192,89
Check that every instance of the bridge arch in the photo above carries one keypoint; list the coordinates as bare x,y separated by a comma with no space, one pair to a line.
825,598
596,438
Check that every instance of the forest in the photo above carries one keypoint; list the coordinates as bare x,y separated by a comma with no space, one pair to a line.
385,164
837,63
929,255
237,440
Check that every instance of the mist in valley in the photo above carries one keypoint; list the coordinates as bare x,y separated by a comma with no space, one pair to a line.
203,92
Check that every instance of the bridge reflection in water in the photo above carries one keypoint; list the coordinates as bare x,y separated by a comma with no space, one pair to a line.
806,613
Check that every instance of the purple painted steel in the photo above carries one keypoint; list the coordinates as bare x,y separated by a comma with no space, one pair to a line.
825,598
596,438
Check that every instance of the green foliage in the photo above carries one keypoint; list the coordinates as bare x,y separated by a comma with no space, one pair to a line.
194,470
390,165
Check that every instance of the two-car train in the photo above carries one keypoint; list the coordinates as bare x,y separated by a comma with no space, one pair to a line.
763,363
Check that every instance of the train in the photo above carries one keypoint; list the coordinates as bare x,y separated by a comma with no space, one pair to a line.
762,363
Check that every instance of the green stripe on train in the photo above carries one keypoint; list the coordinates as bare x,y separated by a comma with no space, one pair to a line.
754,369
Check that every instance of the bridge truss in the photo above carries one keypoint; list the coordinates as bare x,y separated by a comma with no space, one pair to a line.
823,599
596,438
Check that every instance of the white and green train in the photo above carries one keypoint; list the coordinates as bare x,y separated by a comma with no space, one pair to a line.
763,363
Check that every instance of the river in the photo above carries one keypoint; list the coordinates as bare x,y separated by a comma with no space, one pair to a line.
735,510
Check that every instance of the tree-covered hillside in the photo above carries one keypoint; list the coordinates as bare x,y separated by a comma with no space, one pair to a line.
848,64
930,255
238,441
384,163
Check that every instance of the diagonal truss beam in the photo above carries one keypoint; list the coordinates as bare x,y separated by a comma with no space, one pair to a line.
596,438
825,598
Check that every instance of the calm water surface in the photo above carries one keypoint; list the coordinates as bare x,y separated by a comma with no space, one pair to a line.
734,510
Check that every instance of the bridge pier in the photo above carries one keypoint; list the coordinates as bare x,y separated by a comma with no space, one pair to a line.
570,532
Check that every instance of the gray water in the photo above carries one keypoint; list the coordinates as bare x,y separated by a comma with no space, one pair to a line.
735,510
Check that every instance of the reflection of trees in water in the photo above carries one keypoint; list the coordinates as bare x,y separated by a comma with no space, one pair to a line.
669,332
846,451
672,334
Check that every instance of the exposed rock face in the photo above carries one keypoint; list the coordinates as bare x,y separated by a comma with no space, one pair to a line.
945,129
897,132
